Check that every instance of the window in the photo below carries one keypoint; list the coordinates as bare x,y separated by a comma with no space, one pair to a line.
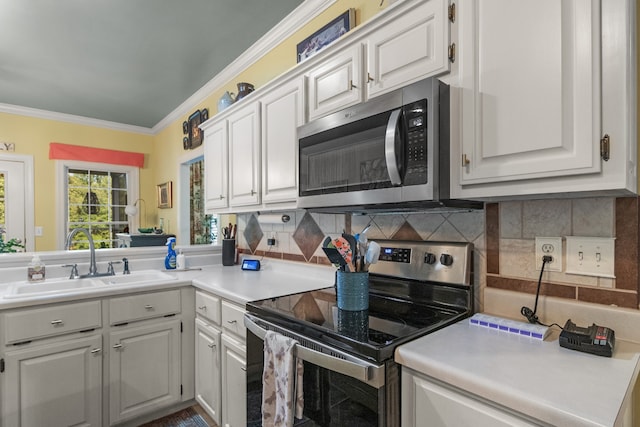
203,227
96,198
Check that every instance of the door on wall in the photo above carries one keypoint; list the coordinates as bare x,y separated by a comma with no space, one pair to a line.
13,193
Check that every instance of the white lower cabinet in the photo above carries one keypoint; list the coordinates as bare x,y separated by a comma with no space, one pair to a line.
54,384
234,382
98,362
144,366
221,380
208,368
444,406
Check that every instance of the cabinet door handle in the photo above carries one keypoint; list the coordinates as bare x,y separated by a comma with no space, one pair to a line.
212,345
203,308
231,322
57,322
253,192
221,197
117,346
465,160
148,307
369,78
244,368
96,350
351,85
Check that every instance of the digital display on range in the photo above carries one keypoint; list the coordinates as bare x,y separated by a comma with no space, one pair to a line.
395,255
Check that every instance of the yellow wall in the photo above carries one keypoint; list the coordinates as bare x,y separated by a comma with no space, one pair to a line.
163,151
280,59
32,136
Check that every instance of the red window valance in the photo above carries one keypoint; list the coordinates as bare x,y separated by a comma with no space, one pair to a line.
60,151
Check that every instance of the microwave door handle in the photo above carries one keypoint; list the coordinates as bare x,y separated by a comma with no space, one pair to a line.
390,147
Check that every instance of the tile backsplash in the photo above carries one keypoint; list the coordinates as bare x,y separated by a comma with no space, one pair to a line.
503,235
301,238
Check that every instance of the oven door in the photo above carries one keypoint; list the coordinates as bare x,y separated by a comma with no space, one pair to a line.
339,389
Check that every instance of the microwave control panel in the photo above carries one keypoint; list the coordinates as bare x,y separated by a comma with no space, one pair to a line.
415,119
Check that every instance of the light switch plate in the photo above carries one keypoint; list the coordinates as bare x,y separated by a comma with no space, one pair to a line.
591,256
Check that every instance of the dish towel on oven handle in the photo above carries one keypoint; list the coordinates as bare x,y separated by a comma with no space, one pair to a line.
282,394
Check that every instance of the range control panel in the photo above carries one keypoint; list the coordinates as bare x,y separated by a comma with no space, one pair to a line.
395,254
446,262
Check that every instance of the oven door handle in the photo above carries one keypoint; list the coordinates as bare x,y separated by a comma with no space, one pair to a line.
390,147
347,364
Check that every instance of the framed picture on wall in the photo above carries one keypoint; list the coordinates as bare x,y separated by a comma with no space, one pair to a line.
165,196
325,35
195,133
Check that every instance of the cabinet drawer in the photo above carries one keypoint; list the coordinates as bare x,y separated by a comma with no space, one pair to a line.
144,306
208,306
34,323
233,319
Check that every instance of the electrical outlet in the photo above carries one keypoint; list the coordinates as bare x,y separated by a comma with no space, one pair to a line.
271,241
551,246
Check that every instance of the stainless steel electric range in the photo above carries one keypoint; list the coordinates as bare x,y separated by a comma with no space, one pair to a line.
350,377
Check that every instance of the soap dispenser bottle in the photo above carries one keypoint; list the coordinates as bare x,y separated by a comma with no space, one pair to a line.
170,259
35,270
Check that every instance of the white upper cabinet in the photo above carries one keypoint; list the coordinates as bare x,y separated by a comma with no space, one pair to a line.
408,44
244,156
409,48
336,82
535,95
282,113
216,165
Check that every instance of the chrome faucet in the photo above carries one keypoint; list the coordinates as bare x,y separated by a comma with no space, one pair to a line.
93,269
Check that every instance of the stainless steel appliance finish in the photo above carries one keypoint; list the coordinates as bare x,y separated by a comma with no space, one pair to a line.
350,375
390,152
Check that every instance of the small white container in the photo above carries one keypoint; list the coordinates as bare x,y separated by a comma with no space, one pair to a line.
181,261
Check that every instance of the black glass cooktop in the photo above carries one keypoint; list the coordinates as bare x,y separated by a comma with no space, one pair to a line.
373,333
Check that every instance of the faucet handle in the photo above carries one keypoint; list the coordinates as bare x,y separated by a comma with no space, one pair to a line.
110,270
74,271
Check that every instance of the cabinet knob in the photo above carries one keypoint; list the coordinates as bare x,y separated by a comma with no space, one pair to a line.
117,346
96,350
148,307
57,322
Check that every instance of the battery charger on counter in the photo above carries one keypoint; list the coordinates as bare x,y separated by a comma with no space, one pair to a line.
598,340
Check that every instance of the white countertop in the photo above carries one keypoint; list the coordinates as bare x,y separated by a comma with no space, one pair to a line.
274,279
538,378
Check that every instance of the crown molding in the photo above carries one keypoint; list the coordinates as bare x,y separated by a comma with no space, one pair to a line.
70,118
299,17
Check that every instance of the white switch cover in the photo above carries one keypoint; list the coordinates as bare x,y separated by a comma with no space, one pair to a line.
38,231
591,256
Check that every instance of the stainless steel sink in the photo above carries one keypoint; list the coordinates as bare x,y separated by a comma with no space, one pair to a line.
49,286
137,277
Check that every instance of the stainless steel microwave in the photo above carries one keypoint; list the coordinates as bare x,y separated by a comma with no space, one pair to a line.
391,152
